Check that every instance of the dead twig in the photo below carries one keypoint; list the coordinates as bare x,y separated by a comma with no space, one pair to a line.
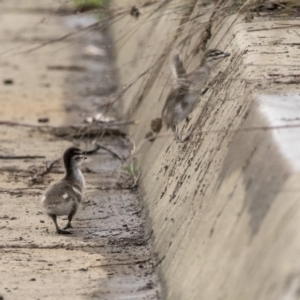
136,179
296,33
116,186
111,150
159,262
121,123
38,177
75,131
137,212
108,149
118,94
206,34
21,157
56,40
49,166
10,123
154,136
237,15
137,149
92,151
120,263
80,131
260,128
111,123
246,129
113,17
67,68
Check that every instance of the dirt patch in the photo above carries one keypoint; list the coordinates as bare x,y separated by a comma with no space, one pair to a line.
108,256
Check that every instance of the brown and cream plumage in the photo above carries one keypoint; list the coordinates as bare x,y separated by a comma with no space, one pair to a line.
65,196
187,88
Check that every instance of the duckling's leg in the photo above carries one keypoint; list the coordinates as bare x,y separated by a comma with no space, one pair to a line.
58,230
70,217
177,138
188,136
69,222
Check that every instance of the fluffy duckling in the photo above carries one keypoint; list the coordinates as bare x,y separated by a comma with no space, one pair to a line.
65,196
187,89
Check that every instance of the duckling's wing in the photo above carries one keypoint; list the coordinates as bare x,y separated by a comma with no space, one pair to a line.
176,97
61,192
61,199
177,67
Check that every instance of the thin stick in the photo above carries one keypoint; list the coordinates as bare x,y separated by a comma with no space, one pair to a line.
136,178
238,13
206,34
263,128
137,149
34,178
92,151
246,129
116,123
62,131
21,157
112,151
75,132
118,94
49,166
10,123
56,40
109,149
296,33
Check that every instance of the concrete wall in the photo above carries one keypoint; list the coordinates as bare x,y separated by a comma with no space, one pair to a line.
225,206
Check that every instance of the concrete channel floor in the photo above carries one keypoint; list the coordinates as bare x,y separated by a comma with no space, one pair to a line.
108,256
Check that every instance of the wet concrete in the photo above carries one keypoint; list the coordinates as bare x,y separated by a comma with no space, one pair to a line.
108,256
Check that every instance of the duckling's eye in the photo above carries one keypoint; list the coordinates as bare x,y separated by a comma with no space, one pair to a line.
77,158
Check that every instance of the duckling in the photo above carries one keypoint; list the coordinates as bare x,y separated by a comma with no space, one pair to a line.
65,196
187,88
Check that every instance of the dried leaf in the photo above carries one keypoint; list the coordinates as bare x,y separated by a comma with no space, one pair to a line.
156,125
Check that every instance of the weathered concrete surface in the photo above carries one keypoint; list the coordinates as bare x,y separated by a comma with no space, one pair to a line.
108,255
224,206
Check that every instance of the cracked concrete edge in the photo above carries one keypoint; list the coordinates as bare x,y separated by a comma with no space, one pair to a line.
223,206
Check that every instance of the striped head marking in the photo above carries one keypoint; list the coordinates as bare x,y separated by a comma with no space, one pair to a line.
73,157
214,56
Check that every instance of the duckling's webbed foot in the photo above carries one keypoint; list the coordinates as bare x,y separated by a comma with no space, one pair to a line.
177,138
188,136
70,217
180,140
68,226
58,230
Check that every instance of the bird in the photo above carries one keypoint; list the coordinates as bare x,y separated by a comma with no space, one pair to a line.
187,88
65,196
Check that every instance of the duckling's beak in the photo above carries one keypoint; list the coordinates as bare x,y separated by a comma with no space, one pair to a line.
83,156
